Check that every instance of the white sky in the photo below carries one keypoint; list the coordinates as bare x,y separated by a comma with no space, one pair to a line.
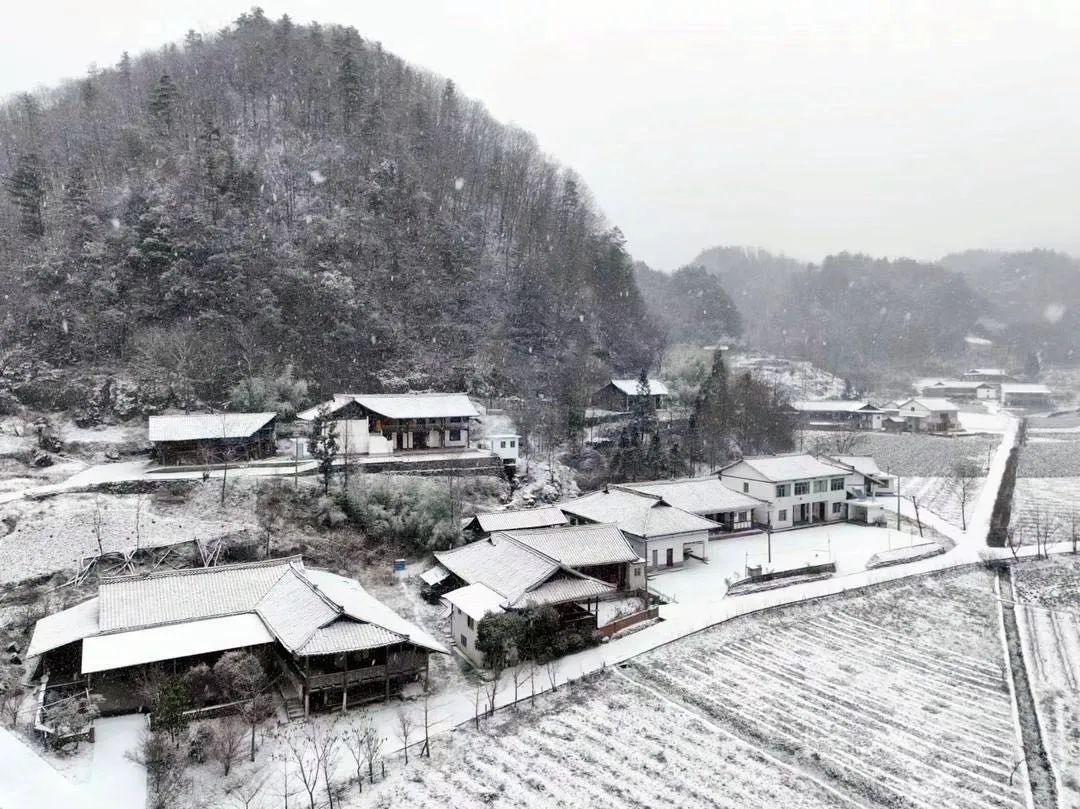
898,127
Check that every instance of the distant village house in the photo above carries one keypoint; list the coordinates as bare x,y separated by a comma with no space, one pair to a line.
618,395
830,414
211,438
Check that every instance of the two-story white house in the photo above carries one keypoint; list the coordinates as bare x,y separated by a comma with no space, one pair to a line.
929,414
800,489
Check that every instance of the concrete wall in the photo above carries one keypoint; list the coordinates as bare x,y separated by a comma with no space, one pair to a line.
464,636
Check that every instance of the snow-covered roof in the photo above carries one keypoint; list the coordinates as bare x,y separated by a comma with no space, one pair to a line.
639,514
863,464
475,600
519,518
578,545
707,495
780,468
833,406
62,628
207,426
630,387
1025,387
500,563
157,643
186,612
956,384
932,404
401,405
434,575
985,372
561,590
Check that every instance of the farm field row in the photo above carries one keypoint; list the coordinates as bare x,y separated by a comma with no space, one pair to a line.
604,743
1050,628
1045,505
922,455
1050,455
900,697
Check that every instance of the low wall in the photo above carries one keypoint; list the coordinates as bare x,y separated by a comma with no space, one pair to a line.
619,624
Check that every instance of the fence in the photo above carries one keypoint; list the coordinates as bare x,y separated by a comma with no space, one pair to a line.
619,624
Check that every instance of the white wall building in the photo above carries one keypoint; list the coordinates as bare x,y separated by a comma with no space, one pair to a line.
800,489
506,445
468,605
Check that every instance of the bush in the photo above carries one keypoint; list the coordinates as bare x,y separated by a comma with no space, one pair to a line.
199,743
403,512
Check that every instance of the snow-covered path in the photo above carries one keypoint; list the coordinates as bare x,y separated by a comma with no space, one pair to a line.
28,782
116,780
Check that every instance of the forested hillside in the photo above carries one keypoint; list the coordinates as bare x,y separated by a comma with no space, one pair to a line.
281,194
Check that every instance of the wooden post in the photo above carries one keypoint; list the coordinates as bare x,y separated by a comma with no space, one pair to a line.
345,684
307,692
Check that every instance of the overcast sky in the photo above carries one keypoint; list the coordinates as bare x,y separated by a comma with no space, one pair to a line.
899,127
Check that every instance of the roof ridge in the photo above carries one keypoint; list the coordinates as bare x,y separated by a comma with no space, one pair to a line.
190,571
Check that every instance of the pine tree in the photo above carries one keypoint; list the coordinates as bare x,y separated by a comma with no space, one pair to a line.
349,91
26,188
163,104
712,413
76,206
323,445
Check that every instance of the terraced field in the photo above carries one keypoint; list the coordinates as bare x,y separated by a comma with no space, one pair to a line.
941,495
908,710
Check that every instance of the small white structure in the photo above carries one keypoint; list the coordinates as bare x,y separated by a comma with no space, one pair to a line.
799,489
468,606
505,445
930,415
955,389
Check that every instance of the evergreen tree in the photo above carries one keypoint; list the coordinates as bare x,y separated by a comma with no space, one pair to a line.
26,188
323,445
643,422
349,91
163,103
1032,366
712,414
76,205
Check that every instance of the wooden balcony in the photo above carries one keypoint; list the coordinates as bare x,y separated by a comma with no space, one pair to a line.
367,674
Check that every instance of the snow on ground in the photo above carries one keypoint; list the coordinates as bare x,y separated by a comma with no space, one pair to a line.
1048,504
1049,620
941,495
922,455
116,780
801,378
608,611
28,781
51,534
1047,459
898,695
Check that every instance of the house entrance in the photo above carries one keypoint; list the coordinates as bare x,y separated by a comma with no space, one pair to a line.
670,562
802,514
819,511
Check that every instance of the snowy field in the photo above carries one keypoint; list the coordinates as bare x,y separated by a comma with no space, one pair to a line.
606,743
1048,455
920,455
898,698
51,534
941,495
1049,502
1050,628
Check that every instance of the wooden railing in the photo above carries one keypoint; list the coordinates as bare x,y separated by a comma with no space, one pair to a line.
367,674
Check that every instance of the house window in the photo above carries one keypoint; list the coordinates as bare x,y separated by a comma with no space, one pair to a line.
502,445
745,487
781,515
455,435
802,487
837,485
782,490
821,486
513,443
464,642
836,507
742,516
472,623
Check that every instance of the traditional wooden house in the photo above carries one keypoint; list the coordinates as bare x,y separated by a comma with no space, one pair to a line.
830,414
618,395
1026,395
708,497
329,640
212,438
388,423
487,523
995,375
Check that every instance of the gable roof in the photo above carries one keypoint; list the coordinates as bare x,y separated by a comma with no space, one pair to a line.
833,406
985,372
578,545
184,612
639,514
630,387
932,404
475,600
499,563
207,426
401,405
796,466
956,384
705,495
561,589
863,464
516,519
1025,387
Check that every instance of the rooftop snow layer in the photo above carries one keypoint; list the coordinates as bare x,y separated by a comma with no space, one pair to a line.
207,426
517,519
780,468
639,514
578,545
630,387
402,405
705,495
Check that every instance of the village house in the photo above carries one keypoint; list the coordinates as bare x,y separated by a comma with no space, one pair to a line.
388,423
487,523
996,375
795,490
618,395
212,438
1026,395
662,534
956,389
544,567
506,445
708,497
926,414
332,643
830,414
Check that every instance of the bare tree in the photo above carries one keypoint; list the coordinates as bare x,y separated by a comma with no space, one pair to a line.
405,729
243,679
1045,526
245,794
477,691
354,737
964,479
1072,528
551,667
11,698
270,505
228,742
918,520
305,760
325,743
492,688
372,746
96,522
138,520
426,749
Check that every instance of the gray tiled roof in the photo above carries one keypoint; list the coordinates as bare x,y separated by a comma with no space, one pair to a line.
638,514
578,545
515,519
705,495
294,610
204,426
348,635
506,567
558,591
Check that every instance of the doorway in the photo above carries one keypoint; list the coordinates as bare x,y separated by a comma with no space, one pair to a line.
670,557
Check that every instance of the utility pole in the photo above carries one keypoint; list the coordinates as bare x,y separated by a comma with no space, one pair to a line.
897,502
